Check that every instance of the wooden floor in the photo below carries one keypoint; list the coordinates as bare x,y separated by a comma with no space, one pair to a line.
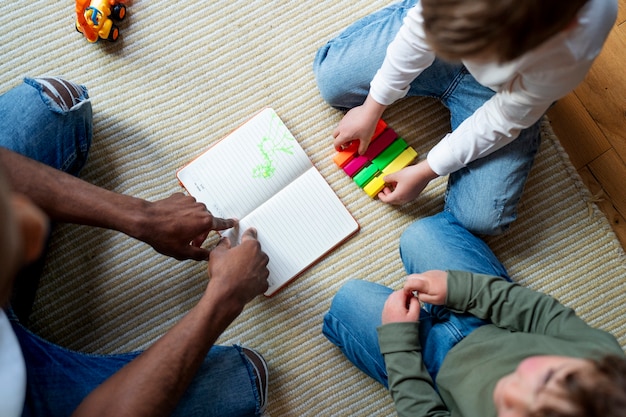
591,125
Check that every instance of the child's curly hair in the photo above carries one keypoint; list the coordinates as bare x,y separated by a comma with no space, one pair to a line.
458,29
600,393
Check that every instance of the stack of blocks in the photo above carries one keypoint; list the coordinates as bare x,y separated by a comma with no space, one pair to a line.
386,153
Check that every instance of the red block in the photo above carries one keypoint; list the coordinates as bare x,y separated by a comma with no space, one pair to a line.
381,143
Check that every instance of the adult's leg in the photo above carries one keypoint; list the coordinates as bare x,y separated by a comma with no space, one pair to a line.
49,120
484,195
58,379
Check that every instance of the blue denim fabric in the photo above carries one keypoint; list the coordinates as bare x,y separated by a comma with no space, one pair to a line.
484,195
34,125
438,242
57,378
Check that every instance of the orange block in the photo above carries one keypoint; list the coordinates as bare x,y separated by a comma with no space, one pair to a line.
341,158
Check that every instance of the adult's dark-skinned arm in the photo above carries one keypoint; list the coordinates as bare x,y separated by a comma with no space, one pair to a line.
168,225
153,383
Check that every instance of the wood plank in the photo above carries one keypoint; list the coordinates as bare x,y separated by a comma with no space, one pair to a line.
610,171
603,201
577,131
621,12
603,93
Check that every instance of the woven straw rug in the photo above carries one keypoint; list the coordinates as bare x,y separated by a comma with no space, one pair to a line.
183,75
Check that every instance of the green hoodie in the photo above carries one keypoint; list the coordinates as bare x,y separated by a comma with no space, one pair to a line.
525,323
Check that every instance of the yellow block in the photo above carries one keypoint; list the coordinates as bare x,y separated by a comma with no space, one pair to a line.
401,161
375,186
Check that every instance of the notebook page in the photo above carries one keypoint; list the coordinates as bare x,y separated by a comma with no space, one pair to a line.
298,226
246,168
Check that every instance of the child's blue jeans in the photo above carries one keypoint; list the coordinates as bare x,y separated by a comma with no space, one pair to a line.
437,242
484,195
57,378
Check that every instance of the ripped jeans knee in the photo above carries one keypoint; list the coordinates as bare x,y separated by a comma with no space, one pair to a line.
65,94
48,119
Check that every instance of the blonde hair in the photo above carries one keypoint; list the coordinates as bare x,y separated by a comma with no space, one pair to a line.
458,29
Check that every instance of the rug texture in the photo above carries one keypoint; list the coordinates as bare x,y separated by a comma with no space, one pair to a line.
182,76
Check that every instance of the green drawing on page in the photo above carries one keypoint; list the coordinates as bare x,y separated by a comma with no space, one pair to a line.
272,143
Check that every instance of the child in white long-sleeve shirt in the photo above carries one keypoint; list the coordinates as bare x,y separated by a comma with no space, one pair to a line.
497,65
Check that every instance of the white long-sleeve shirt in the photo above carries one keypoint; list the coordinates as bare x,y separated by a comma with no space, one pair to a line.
525,87
12,371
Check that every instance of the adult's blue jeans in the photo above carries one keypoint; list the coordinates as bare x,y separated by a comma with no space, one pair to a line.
437,242
34,125
484,195
57,378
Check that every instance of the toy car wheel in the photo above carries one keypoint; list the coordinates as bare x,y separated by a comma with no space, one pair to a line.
118,12
114,33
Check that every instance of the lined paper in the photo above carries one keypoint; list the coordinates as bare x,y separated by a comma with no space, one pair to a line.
297,226
223,177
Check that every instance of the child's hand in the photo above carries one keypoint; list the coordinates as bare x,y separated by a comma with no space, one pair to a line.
407,184
354,127
431,286
359,125
401,307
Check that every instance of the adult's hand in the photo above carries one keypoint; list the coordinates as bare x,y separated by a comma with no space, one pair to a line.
178,225
238,274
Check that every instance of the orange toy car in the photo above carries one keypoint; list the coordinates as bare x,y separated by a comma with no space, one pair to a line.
94,18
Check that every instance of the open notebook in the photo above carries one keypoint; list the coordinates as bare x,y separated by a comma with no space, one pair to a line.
261,175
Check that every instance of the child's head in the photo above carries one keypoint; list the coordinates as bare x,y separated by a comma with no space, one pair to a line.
561,386
503,29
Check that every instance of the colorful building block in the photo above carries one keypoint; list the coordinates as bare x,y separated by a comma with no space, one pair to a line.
341,158
380,126
375,186
402,161
382,142
365,175
377,183
386,154
389,154
355,165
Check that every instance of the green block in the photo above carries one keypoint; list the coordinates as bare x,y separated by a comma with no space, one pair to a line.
389,154
365,174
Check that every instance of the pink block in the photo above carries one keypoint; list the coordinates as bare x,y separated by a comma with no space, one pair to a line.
355,165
